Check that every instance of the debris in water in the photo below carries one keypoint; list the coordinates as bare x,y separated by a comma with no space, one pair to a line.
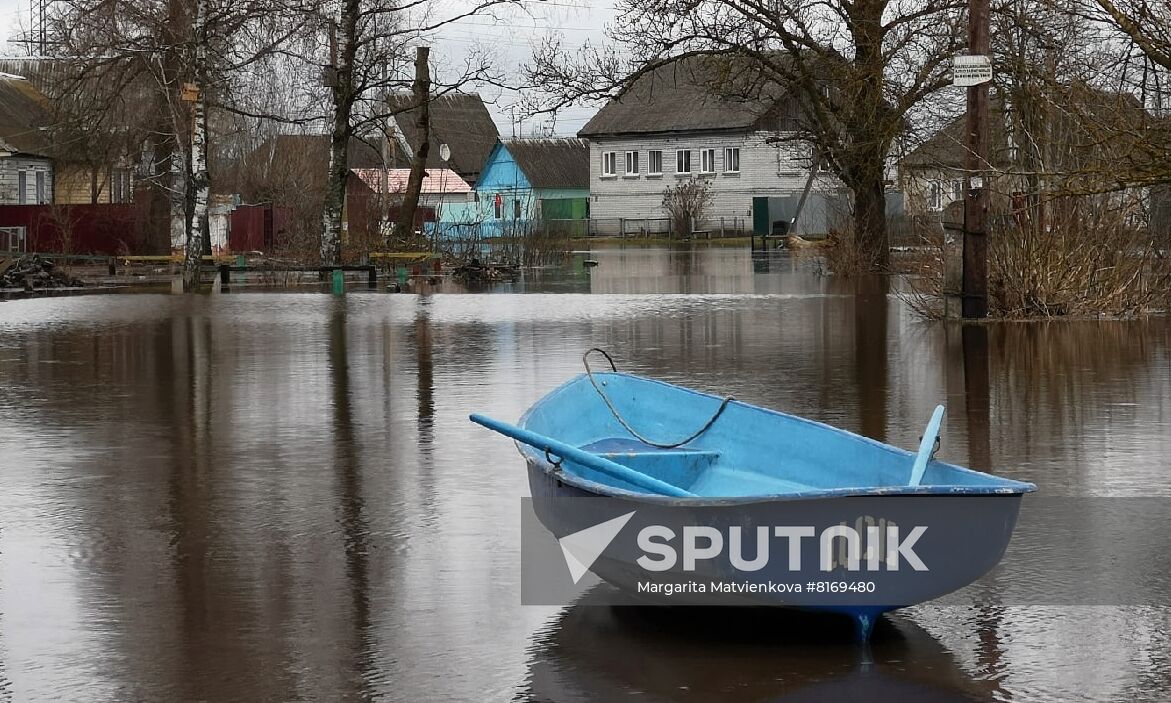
31,272
476,272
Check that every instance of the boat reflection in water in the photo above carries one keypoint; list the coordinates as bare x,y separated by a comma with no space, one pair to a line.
657,654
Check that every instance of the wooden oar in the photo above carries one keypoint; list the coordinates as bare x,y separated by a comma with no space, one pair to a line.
926,446
579,456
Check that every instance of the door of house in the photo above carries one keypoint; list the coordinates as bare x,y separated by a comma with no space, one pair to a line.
760,218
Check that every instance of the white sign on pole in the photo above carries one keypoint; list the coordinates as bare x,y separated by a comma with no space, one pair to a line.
970,70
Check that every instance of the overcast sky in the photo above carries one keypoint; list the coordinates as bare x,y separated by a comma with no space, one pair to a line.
510,37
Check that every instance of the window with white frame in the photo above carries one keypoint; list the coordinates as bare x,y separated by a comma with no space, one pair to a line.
941,193
632,163
22,187
683,161
732,159
654,163
609,163
934,195
707,163
41,199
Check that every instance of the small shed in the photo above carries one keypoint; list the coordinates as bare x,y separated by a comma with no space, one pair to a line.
531,185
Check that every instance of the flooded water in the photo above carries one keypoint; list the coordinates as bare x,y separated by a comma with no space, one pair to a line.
275,497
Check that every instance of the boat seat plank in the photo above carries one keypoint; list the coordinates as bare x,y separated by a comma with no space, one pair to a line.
723,482
679,467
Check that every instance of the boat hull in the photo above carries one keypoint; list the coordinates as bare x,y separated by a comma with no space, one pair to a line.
965,537
711,500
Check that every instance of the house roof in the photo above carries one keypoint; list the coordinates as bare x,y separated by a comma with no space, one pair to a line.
946,148
459,120
24,117
552,163
44,73
436,181
315,147
92,114
680,97
1080,105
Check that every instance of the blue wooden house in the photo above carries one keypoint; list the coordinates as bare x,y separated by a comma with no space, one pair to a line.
527,186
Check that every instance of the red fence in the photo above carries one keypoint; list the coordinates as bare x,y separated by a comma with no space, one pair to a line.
112,229
258,228
123,229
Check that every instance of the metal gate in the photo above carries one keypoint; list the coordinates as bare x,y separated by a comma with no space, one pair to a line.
13,240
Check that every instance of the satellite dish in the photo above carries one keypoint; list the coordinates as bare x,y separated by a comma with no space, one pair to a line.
444,152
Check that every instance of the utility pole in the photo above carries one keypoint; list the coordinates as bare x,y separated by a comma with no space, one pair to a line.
384,184
975,273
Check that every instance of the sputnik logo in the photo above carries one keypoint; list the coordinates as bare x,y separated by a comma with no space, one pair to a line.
582,548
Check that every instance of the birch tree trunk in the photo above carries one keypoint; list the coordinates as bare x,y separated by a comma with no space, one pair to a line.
422,96
344,93
178,187
198,184
200,191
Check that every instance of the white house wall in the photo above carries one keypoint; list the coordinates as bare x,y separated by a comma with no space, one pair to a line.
774,170
10,169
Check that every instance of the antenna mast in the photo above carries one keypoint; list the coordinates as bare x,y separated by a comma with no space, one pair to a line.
39,25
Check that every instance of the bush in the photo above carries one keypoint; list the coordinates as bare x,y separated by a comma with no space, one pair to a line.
1068,255
686,206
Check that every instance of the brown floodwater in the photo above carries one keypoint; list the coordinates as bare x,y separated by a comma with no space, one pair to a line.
276,497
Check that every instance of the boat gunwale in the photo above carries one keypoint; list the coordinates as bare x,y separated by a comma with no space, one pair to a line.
1013,487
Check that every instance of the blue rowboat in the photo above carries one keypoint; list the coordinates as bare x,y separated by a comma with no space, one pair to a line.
671,455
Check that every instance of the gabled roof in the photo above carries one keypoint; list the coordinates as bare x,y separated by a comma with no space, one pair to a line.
695,94
24,117
46,74
436,181
552,163
1080,106
459,120
946,148
315,147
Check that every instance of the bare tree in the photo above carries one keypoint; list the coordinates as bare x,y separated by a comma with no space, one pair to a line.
1074,151
1147,24
370,41
173,60
421,92
857,70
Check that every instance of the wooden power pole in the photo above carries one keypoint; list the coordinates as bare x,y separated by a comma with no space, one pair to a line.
975,273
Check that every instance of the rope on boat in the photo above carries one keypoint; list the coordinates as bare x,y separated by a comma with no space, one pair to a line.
585,359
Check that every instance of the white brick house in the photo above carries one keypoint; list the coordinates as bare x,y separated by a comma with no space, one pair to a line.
668,128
